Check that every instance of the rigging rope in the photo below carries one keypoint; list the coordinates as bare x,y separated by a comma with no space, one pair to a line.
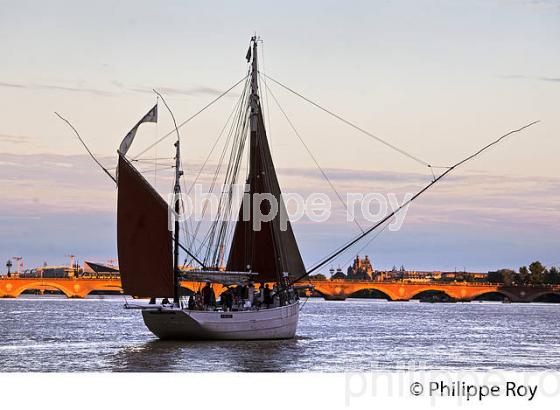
366,244
351,124
311,155
406,203
191,117
86,147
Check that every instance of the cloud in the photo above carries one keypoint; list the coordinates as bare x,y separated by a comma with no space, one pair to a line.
528,77
184,91
201,90
12,85
49,196
339,174
39,86
16,139
71,89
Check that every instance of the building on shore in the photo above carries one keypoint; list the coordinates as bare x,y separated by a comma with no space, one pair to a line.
361,269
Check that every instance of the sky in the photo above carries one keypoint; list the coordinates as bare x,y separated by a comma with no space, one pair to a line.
439,79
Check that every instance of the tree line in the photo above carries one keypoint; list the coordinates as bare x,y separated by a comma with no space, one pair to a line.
535,274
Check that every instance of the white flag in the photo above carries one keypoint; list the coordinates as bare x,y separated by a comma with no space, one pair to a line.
151,116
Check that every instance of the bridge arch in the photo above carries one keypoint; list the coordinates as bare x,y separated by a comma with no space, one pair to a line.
420,294
100,288
492,295
546,296
432,290
381,293
40,285
496,291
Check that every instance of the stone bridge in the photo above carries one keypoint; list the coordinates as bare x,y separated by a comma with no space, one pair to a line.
464,291
73,287
329,289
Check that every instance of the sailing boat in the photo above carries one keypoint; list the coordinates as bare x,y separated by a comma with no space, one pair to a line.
149,252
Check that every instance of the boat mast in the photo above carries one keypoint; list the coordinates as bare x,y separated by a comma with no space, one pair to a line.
254,101
253,125
177,192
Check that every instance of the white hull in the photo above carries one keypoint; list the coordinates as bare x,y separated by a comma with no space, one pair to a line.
182,324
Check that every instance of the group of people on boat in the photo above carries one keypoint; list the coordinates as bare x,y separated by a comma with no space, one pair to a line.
242,296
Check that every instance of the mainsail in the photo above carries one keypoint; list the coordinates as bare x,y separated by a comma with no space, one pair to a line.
270,251
143,238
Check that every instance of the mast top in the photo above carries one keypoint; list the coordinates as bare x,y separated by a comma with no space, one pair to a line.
254,99
254,68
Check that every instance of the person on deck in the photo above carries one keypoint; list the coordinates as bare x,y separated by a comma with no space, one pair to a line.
192,303
227,299
267,296
207,295
251,293
198,305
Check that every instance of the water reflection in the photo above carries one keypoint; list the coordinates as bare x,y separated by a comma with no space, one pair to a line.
223,356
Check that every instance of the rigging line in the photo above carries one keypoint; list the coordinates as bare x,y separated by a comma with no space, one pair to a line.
156,151
311,155
151,170
180,164
433,174
235,108
176,130
236,132
178,174
370,240
151,159
191,117
191,255
218,229
266,99
233,132
405,204
351,124
86,147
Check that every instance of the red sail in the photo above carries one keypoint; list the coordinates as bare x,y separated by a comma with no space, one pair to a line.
143,239
270,251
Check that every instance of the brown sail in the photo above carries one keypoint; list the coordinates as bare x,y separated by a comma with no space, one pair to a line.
270,251
143,239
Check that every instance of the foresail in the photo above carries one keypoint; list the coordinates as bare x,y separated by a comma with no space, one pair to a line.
270,251
143,239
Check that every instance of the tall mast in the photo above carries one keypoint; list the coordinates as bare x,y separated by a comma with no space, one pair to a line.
253,127
177,192
254,87
271,251
255,106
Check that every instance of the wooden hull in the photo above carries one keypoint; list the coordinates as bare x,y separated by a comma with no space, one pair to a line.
266,324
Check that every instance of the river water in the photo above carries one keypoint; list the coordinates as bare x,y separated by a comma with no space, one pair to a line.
54,334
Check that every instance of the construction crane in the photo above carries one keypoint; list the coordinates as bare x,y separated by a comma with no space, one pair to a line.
19,264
